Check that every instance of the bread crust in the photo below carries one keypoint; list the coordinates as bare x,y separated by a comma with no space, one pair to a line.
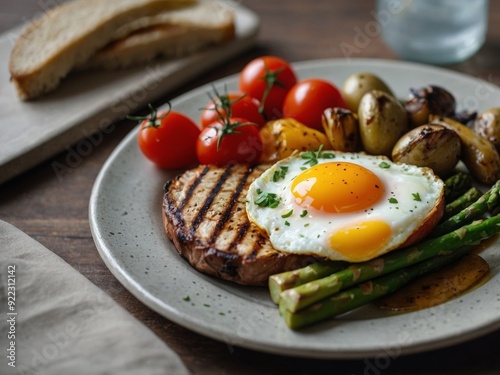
48,49
169,35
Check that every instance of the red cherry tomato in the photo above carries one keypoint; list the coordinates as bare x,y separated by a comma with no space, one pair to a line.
306,101
168,139
233,141
268,79
238,105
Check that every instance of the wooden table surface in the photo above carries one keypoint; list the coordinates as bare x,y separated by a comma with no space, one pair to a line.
55,212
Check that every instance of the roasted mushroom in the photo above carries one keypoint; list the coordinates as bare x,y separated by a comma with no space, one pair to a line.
429,100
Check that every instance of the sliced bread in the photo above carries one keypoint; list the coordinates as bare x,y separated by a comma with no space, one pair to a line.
69,35
169,34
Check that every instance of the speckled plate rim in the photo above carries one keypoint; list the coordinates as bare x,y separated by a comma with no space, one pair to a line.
126,224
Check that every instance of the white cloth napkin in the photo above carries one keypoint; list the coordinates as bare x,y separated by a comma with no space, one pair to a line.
63,324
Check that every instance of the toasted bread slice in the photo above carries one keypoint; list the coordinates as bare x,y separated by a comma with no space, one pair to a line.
70,34
169,34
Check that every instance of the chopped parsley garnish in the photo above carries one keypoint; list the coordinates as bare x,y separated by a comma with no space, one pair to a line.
270,200
287,223
393,200
187,298
280,174
384,165
303,213
311,157
288,214
416,197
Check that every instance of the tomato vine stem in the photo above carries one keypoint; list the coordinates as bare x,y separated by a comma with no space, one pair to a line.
153,120
271,79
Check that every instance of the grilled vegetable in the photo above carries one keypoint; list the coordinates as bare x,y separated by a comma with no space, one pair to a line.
487,202
357,85
291,279
365,292
456,185
462,202
342,129
487,125
478,154
307,294
429,100
282,137
432,146
382,121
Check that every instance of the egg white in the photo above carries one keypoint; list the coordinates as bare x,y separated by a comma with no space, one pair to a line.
295,230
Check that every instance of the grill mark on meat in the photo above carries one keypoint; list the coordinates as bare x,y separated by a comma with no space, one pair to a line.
191,188
210,198
228,237
178,211
228,212
241,233
257,244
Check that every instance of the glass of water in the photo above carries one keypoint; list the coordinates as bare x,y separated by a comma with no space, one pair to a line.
433,31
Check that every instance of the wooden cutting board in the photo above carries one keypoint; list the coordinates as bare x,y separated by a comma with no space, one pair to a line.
89,102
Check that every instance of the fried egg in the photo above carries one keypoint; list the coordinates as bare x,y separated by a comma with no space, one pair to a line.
344,206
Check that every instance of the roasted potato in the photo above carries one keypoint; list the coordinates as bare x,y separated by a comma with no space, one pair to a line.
382,121
478,154
432,146
282,137
357,85
342,129
487,125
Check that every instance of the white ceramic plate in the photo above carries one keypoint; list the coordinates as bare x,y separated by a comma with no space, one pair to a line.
125,217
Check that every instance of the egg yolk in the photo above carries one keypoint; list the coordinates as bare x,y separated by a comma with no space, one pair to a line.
361,241
337,187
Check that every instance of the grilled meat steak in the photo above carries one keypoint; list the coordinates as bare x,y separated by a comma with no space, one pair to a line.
205,218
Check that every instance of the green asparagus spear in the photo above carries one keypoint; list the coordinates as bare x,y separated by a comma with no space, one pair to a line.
456,185
366,292
291,279
311,292
487,202
462,202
